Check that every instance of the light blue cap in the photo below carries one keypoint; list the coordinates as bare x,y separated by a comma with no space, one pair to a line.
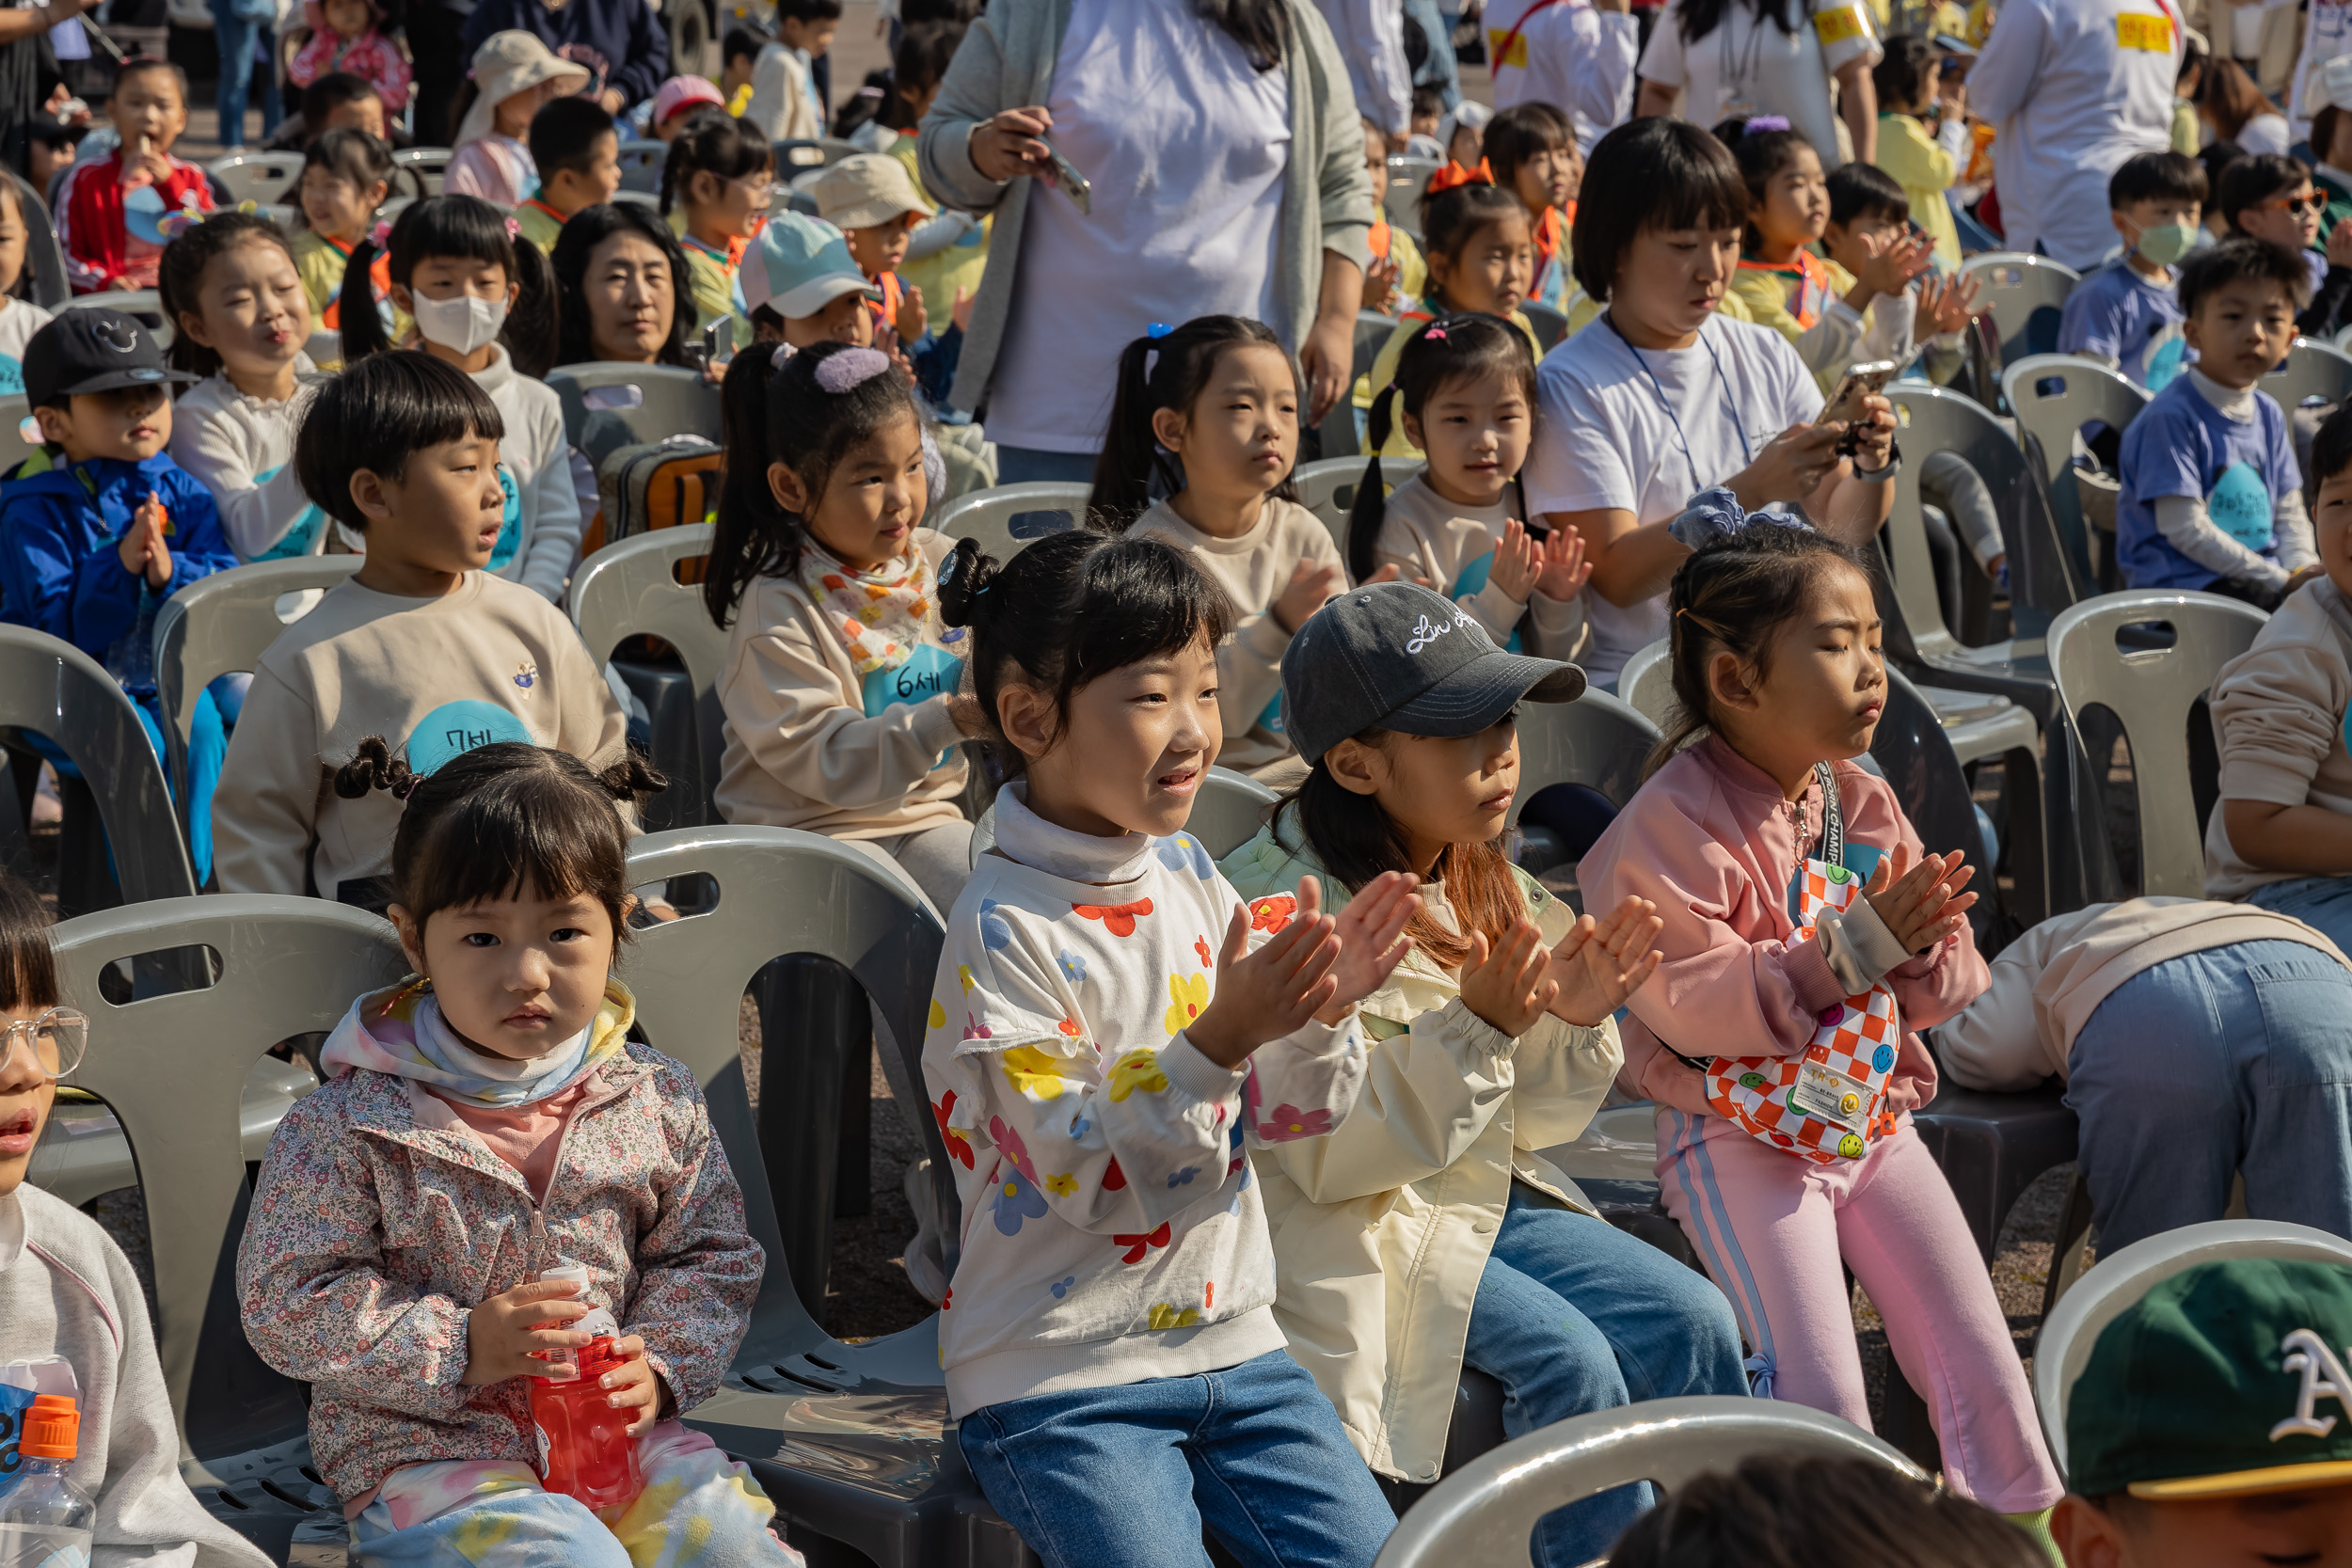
798,266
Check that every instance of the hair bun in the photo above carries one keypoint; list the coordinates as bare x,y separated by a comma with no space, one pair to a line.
964,576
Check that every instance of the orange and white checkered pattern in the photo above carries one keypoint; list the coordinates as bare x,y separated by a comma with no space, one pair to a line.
1858,1039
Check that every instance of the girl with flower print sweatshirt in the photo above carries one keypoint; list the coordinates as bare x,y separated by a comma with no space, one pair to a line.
1110,1033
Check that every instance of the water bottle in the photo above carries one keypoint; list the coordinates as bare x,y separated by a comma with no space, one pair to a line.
586,1451
45,1519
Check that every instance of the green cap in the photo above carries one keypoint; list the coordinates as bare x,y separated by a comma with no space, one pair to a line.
2224,1380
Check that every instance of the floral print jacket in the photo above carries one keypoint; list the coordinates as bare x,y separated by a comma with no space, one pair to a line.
1112,1229
380,1220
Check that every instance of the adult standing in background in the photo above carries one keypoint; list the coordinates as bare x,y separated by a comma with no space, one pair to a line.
1575,54
1227,164
1370,39
622,43
2074,88
1736,59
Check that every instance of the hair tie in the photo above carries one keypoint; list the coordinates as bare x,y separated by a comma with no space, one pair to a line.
1455,174
1158,329
513,230
852,367
1715,514
1758,124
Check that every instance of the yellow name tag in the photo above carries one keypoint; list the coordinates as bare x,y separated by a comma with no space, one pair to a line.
1517,56
2153,34
1838,25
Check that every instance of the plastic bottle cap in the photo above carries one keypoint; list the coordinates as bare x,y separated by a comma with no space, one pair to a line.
53,1428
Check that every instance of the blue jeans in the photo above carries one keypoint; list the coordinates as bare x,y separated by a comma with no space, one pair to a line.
2322,901
1032,466
1129,1474
1573,1315
2233,1059
242,44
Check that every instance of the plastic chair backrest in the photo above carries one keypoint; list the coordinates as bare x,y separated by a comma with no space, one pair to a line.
146,303
225,623
2054,395
2152,693
2314,369
1647,683
1407,179
631,589
647,402
1596,741
640,165
2017,291
16,414
428,165
255,175
2114,1283
1551,326
172,1069
1486,1511
779,892
54,690
990,516
43,255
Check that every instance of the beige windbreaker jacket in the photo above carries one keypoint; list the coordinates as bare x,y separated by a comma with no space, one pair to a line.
1382,1229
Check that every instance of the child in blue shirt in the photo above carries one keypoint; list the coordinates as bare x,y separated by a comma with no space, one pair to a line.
2126,313
2211,496
91,547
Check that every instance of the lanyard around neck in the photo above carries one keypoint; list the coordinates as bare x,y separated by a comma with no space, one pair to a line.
1731,403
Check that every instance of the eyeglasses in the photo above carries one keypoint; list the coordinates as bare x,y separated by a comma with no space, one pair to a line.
2296,206
55,1040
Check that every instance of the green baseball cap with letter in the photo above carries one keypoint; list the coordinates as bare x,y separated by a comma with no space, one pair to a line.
2225,1380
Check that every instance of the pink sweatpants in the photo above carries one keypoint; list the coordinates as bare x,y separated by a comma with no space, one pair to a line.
1771,1228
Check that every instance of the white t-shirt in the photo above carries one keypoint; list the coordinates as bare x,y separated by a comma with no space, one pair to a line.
1643,430
1747,66
1186,148
2327,33
1569,56
2075,87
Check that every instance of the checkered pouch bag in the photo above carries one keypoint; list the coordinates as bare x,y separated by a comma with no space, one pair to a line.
1830,1103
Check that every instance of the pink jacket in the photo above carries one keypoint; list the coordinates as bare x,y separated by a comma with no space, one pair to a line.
376,1228
1711,840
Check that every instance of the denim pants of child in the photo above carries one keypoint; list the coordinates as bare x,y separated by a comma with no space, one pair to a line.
2235,1059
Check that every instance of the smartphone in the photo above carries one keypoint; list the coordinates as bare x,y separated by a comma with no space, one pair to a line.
1060,172
1860,381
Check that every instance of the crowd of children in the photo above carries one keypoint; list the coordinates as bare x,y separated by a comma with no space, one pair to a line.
1251,1151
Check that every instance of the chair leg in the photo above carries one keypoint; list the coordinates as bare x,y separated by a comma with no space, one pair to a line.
814,1028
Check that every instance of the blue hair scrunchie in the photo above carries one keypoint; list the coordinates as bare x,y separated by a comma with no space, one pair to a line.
1715,514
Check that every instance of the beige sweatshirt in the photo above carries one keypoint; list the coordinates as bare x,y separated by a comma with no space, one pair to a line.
2279,712
1253,570
801,750
1429,538
367,664
2048,982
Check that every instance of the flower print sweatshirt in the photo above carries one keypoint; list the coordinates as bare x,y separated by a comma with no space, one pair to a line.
1112,1229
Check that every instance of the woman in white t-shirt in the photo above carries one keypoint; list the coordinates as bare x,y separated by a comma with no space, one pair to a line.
1734,58
1227,167
1662,398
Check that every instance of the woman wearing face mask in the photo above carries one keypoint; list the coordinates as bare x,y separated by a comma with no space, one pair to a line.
488,306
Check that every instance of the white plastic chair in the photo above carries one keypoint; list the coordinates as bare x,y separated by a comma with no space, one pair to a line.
2152,693
1484,1513
1007,516
146,303
2115,1284
631,589
1226,815
2313,370
255,175
2016,289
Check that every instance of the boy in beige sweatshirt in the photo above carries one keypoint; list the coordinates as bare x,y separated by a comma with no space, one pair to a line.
421,647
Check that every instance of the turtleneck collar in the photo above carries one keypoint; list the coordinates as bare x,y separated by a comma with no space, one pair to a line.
1024,836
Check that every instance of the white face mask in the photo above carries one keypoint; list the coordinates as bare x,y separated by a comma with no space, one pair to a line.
464,324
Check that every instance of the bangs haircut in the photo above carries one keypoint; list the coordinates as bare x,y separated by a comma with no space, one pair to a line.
1656,173
1071,608
375,416
28,965
2242,260
505,818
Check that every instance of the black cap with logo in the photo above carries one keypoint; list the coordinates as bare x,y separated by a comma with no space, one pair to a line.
92,349
1396,655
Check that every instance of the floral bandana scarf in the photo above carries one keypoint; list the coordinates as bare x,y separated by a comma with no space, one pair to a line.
882,615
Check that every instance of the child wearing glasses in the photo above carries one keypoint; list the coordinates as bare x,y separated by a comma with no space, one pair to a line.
73,1320
2272,197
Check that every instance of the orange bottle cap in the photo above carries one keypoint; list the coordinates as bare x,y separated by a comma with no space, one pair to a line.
53,1428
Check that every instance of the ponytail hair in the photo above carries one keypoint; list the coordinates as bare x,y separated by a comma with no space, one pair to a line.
458,226
180,278
1169,369
1067,610
1444,351
810,418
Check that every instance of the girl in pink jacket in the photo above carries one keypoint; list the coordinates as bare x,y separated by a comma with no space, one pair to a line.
1808,936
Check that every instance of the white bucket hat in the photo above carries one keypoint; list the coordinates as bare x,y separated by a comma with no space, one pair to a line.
508,63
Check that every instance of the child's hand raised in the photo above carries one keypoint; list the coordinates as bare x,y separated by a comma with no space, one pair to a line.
1507,987
1601,962
1516,562
1371,938
632,1385
1561,571
501,1332
1921,904
1311,585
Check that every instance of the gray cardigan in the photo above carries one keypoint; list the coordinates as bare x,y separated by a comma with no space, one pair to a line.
1007,61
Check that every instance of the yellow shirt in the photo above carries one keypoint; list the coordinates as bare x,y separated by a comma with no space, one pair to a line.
1912,158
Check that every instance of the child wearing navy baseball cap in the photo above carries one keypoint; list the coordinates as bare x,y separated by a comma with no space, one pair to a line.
1496,1030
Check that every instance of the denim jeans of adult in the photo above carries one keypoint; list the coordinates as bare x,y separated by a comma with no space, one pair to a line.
240,42
1129,1474
1573,1315
2322,901
2235,1059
